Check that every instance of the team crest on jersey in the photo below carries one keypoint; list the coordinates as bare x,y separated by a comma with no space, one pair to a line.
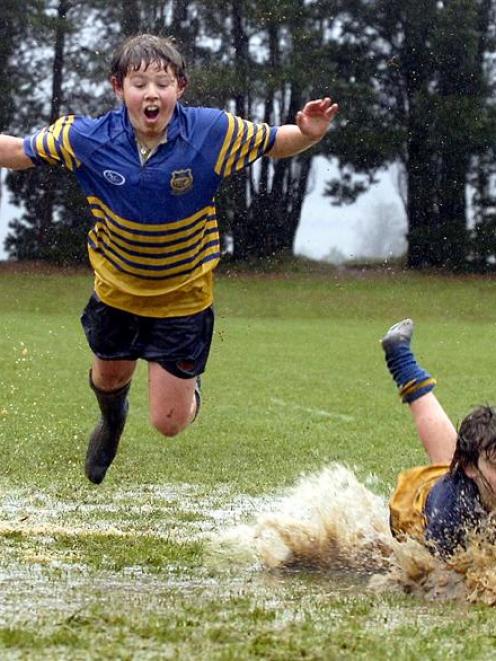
181,181
114,177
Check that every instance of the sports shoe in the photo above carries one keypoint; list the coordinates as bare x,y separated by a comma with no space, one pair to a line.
400,333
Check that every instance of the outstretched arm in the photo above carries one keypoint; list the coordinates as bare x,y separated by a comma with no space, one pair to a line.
311,125
415,385
12,153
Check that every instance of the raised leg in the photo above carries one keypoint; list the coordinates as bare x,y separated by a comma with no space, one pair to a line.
415,385
435,429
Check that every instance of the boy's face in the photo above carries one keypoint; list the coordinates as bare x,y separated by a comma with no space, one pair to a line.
150,95
484,475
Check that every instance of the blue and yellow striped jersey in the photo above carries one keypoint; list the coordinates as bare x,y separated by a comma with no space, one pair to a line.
155,239
435,506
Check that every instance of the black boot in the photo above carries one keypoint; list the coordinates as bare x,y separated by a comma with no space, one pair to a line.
104,440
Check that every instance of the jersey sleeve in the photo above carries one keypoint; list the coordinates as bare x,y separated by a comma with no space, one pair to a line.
243,143
53,145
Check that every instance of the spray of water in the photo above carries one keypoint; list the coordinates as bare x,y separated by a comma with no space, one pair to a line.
333,522
328,520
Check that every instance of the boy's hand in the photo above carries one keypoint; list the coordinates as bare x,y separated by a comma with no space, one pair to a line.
313,121
311,125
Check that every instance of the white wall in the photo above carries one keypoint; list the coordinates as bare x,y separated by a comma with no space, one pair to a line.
372,227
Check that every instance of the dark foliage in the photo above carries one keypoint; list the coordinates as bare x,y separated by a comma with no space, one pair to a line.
413,80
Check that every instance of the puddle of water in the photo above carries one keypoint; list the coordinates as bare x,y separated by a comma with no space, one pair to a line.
175,512
330,531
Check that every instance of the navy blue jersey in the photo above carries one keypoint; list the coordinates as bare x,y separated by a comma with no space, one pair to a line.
155,238
453,509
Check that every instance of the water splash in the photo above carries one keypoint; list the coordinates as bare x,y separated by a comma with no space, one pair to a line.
333,522
328,520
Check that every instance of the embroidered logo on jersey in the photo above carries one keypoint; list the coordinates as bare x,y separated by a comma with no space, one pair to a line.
181,181
115,178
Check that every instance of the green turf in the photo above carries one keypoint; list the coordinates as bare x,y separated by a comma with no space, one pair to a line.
295,381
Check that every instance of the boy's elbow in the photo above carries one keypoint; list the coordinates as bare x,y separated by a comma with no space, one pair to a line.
276,152
18,162
25,165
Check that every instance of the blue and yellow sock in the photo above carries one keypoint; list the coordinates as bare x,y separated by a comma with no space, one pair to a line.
412,380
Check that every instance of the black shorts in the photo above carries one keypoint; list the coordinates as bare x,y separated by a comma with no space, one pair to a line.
179,344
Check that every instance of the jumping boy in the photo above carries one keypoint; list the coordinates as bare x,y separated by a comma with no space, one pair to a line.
443,503
150,171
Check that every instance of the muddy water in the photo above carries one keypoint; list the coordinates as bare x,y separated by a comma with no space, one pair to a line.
332,522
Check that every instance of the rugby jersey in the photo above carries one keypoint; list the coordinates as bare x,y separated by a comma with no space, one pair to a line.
453,510
155,240
440,508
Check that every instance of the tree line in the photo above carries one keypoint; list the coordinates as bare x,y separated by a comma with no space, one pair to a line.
414,79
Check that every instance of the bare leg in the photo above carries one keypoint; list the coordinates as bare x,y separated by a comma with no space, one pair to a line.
415,386
111,375
435,429
172,400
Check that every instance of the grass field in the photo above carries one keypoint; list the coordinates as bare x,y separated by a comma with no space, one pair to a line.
296,381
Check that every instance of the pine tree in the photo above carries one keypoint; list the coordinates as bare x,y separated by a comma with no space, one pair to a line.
431,113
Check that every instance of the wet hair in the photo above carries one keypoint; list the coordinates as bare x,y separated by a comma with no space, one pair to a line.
476,437
148,49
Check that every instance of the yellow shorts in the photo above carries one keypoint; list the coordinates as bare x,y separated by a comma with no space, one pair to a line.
406,505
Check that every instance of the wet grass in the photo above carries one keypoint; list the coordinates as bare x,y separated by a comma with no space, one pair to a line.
296,380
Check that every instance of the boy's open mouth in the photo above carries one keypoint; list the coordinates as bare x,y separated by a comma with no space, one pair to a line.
151,112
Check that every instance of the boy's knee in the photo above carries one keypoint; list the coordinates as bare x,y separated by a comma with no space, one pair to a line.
110,380
110,384
169,425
